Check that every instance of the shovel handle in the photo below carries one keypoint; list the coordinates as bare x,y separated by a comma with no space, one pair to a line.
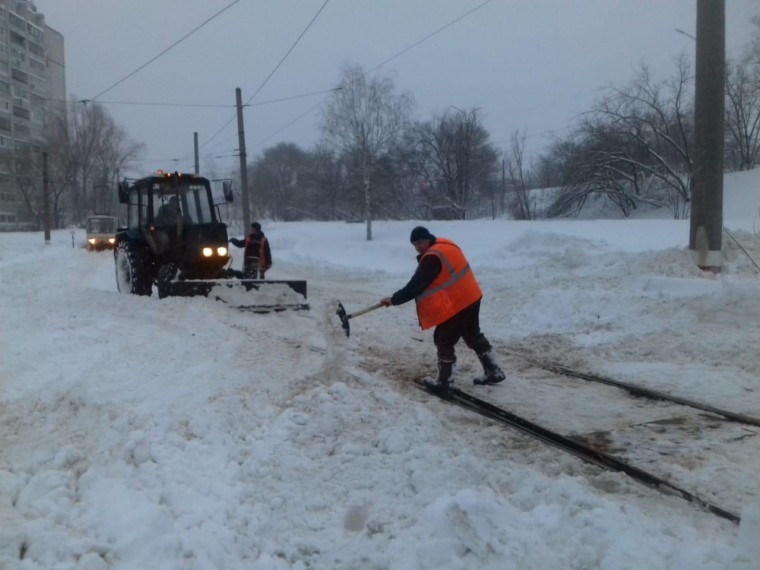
363,311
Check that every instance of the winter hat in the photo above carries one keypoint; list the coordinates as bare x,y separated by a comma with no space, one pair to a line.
419,233
256,226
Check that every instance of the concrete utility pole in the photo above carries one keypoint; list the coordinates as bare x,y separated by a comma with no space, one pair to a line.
243,166
45,198
706,224
195,148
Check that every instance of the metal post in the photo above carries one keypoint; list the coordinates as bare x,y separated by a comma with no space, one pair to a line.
195,147
243,166
706,223
45,198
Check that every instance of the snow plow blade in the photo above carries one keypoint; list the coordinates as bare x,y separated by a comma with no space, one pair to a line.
257,295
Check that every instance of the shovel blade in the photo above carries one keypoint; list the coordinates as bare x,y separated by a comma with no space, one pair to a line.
341,312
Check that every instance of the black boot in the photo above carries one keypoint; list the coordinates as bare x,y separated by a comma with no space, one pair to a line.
442,384
492,374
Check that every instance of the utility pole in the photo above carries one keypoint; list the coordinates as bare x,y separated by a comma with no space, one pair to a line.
706,223
195,149
243,166
503,197
45,198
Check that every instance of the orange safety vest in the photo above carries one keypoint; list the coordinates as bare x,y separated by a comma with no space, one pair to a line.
262,251
454,289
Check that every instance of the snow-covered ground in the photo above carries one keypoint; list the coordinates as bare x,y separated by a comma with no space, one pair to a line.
138,433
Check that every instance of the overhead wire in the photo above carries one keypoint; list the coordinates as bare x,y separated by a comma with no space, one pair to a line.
311,109
379,65
147,63
298,39
431,34
274,70
215,105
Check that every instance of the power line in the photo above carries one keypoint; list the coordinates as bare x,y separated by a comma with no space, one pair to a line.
298,118
298,39
430,35
276,67
399,54
212,105
183,38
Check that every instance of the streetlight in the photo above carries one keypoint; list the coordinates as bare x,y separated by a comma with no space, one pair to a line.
687,34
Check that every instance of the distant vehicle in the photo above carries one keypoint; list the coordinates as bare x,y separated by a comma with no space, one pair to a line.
101,232
175,241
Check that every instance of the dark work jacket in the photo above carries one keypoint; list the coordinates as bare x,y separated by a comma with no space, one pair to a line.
425,274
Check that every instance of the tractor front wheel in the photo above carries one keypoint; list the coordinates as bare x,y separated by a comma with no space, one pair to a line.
166,275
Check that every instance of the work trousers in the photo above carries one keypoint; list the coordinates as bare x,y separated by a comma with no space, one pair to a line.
465,325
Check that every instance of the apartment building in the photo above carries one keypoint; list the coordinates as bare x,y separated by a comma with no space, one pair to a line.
32,87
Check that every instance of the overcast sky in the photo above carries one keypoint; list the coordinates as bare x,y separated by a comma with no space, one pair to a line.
530,65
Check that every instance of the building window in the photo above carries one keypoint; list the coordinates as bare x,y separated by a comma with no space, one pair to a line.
34,49
34,31
21,112
18,39
19,75
36,65
16,22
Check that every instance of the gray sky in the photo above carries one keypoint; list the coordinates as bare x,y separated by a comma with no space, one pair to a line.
530,65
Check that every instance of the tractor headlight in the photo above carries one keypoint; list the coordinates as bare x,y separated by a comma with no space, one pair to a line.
111,240
208,252
221,251
92,241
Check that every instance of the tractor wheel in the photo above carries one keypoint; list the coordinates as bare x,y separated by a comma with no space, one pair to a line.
132,275
166,274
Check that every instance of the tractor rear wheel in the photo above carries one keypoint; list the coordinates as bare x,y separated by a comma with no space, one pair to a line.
132,274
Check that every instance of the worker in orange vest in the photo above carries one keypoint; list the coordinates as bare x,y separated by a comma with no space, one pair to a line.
448,298
257,257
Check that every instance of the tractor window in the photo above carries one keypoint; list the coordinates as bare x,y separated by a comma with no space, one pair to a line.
167,209
188,201
143,205
137,209
196,204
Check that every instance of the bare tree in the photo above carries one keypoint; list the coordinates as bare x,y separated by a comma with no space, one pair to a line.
743,107
278,182
116,150
98,148
635,146
365,117
330,185
454,161
518,179
24,165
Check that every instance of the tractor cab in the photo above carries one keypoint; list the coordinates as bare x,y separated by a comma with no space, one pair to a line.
172,229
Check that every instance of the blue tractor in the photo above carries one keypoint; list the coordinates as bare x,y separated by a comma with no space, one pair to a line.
174,240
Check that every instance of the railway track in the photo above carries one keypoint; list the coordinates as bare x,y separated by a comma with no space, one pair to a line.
644,392
590,453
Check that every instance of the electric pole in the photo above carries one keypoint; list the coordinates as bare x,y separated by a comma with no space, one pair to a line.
243,166
706,223
45,198
195,149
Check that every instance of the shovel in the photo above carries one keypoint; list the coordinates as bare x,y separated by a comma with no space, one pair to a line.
344,317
